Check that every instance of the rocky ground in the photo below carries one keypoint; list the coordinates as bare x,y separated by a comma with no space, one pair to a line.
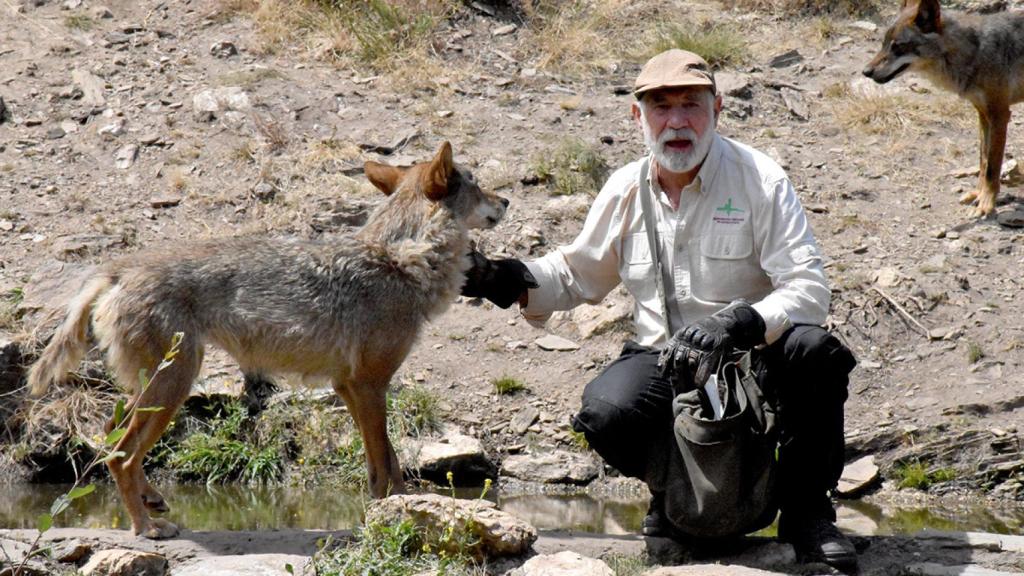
148,124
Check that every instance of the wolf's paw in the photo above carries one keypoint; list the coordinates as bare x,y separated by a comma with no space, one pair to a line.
154,502
986,206
160,529
969,197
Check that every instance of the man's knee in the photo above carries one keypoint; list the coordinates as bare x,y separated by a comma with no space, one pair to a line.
812,349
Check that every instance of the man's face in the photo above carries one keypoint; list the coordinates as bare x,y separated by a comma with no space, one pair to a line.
678,125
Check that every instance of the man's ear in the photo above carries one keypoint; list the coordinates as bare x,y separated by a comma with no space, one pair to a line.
929,16
434,180
386,178
636,113
717,107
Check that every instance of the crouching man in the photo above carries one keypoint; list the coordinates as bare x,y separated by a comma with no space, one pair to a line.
728,231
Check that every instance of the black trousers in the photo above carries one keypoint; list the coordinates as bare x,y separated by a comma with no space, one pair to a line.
626,414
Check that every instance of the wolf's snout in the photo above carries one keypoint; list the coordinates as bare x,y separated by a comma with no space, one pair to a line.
504,202
868,71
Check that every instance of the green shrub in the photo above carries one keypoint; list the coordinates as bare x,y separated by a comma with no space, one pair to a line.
413,411
507,385
917,475
571,167
974,352
228,451
389,550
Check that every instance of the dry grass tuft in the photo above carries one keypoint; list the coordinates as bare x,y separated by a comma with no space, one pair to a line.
10,320
886,113
582,36
271,132
385,36
857,8
329,155
69,413
720,44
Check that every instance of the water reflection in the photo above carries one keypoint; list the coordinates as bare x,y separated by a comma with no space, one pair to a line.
235,507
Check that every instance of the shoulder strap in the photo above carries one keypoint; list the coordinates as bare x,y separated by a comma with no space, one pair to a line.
651,227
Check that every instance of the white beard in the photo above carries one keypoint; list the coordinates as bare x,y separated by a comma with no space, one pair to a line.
674,160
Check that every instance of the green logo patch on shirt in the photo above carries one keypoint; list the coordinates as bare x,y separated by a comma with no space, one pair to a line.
728,209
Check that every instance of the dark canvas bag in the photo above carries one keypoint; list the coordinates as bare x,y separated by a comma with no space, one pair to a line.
723,481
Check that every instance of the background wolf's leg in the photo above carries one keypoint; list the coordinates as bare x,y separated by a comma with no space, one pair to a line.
984,127
998,117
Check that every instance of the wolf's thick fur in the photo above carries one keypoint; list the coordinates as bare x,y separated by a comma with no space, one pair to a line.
348,309
981,58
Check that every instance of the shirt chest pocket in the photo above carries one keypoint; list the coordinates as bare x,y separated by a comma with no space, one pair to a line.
723,267
726,247
637,266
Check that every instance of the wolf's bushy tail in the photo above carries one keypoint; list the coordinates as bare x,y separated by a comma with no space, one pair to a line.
68,344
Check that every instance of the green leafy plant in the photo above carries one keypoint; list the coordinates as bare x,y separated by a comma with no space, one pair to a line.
107,452
918,475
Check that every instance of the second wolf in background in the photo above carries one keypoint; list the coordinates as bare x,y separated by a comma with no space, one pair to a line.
981,58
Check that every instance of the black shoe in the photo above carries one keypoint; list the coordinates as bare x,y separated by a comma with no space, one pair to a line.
816,539
655,524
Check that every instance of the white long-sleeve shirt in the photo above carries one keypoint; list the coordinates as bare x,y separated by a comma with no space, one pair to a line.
739,232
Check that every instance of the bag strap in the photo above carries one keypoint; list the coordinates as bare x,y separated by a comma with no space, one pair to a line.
651,227
755,397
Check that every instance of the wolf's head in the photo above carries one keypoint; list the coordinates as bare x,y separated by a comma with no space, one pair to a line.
440,181
911,40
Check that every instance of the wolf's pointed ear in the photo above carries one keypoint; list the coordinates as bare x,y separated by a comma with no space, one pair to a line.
383,176
435,177
929,16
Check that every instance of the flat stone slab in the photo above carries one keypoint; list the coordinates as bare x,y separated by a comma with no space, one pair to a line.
249,564
933,569
858,476
556,344
985,540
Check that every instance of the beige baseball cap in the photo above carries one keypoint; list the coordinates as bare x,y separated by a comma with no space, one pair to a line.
673,68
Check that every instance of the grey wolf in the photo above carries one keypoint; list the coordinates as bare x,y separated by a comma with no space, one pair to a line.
348,310
979,57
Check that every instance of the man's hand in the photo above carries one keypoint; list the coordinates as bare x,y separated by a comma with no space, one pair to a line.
695,352
500,281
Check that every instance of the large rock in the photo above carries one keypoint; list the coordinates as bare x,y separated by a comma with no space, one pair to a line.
213,101
248,564
119,562
92,87
558,467
483,530
459,454
566,563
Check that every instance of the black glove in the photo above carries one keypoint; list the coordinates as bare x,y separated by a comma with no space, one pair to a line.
500,281
695,352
